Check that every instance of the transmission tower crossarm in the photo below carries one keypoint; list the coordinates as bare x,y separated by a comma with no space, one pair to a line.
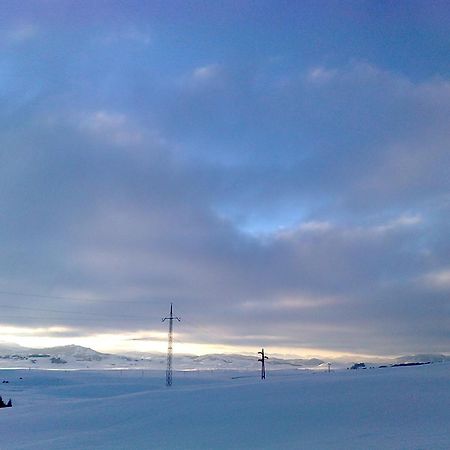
171,317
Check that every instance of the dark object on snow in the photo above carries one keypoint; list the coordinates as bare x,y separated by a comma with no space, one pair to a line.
411,364
3,405
358,366
58,360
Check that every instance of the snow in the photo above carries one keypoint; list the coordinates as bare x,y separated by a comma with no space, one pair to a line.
391,408
77,357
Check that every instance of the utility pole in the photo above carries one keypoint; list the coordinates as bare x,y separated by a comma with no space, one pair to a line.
171,318
263,366
329,367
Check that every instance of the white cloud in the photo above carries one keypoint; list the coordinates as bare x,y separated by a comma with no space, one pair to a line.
117,128
22,32
315,226
320,227
399,222
132,35
138,36
205,73
203,80
320,75
7,331
290,303
114,127
439,279
310,227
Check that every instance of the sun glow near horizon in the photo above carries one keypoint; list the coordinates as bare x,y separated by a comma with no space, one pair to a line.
154,342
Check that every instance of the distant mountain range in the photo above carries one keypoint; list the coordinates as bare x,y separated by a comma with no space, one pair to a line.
75,356
78,357
423,358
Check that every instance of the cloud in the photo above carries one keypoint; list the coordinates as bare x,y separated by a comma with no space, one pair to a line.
289,304
367,139
315,226
35,331
439,279
320,75
141,230
206,73
129,34
399,222
305,200
111,126
202,79
21,33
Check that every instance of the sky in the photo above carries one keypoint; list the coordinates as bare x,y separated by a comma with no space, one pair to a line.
278,170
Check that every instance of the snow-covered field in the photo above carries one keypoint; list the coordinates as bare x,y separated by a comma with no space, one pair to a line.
391,408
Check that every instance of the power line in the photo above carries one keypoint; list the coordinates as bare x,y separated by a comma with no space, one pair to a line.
76,299
62,319
30,308
196,325
51,297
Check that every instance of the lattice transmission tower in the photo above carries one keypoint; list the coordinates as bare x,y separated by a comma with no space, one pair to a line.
171,318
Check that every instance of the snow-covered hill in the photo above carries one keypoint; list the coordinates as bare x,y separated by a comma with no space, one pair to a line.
422,358
74,356
77,357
